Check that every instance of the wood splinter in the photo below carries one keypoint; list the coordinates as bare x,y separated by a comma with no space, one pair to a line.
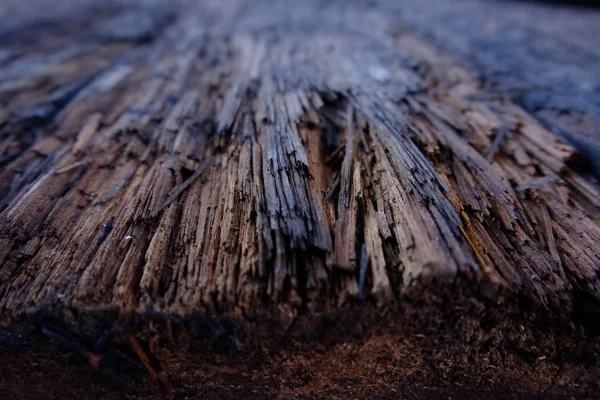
139,351
179,189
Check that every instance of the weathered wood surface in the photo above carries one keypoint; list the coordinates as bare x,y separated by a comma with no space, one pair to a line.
202,158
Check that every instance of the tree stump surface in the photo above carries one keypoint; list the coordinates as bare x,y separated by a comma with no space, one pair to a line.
272,160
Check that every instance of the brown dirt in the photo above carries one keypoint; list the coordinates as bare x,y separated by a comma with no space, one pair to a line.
354,354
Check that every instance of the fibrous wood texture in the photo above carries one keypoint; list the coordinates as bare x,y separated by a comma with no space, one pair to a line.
197,158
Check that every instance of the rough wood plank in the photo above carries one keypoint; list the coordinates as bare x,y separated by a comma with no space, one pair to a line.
341,145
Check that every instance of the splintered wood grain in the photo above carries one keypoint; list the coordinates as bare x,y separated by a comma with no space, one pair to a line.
209,159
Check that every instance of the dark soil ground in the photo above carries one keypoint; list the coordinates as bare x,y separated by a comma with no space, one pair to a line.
351,355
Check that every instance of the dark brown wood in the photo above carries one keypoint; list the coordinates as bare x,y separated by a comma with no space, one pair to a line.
285,160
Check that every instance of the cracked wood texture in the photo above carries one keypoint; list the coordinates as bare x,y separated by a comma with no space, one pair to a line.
286,158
